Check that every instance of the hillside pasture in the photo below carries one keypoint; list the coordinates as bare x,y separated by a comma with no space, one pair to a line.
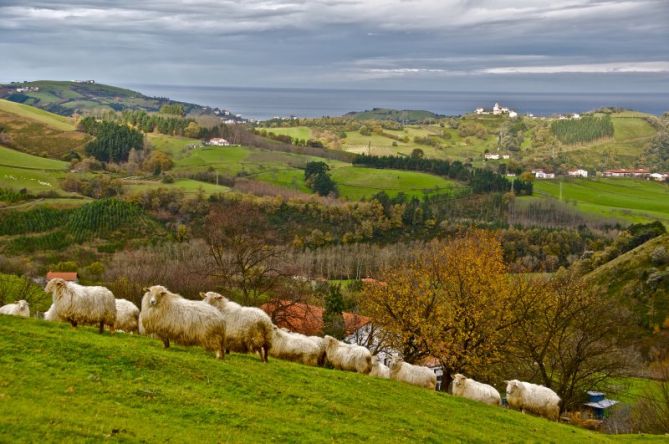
62,384
29,112
631,200
356,183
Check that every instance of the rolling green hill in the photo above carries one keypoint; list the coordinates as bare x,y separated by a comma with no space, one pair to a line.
38,132
406,115
639,283
60,384
66,98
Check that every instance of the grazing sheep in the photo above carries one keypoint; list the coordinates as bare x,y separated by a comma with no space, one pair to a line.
477,391
171,317
127,316
534,398
412,374
247,329
379,369
295,347
51,315
19,308
350,357
78,304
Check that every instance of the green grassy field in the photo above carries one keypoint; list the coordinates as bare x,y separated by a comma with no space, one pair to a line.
173,145
64,385
296,132
626,199
13,158
187,185
30,112
355,183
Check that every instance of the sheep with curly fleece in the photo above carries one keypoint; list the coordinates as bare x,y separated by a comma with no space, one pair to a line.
474,390
127,316
295,347
19,308
412,374
170,317
247,329
533,398
349,357
379,369
78,304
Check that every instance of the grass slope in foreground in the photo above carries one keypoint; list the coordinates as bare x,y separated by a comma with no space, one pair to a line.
633,200
59,384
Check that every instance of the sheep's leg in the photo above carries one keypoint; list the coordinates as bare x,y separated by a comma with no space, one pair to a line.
74,323
166,343
265,352
102,327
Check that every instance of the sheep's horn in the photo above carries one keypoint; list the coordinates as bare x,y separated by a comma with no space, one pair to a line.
145,289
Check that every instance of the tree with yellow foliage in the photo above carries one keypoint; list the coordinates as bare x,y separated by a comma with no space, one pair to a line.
451,303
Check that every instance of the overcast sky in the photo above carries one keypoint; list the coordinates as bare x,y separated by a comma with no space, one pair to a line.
453,45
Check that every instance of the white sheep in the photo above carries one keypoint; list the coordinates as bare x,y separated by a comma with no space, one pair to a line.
296,347
247,329
51,315
78,304
19,308
127,316
379,369
169,316
476,391
412,374
350,357
534,398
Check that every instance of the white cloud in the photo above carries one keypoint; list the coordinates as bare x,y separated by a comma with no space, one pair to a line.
588,68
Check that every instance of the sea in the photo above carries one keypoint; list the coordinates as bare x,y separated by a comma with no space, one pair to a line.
266,103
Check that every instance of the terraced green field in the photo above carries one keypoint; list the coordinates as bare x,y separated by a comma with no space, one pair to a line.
632,200
187,185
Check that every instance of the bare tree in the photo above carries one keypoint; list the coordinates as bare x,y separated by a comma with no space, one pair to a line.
241,245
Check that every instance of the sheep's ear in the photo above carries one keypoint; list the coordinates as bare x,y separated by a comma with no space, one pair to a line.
203,294
145,289
219,296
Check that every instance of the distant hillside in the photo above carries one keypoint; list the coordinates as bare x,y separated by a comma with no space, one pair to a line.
640,279
66,385
34,131
67,98
404,116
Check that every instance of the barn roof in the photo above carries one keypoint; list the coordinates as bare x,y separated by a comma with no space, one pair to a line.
308,319
65,275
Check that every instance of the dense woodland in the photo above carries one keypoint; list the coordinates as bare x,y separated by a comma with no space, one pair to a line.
585,129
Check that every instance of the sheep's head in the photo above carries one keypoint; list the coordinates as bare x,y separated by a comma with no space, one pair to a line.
458,380
512,386
396,363
23,304
54,285
156,293
213,298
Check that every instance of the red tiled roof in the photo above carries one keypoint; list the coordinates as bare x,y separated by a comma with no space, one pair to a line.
65,275
307,319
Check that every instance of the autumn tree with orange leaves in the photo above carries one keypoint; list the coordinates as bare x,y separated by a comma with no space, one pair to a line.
451,303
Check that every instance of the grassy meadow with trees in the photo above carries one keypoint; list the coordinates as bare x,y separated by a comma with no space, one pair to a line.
393,215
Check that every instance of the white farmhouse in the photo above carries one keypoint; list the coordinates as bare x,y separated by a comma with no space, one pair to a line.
218,141
541,174
660,177
491,156
578,173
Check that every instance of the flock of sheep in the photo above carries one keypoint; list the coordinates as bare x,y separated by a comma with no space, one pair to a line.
222,326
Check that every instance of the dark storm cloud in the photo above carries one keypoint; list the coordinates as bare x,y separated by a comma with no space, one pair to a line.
412,44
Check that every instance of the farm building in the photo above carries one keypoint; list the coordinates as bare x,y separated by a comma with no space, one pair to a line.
308,319
660,177
627,173
541,174
218,142
578,173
